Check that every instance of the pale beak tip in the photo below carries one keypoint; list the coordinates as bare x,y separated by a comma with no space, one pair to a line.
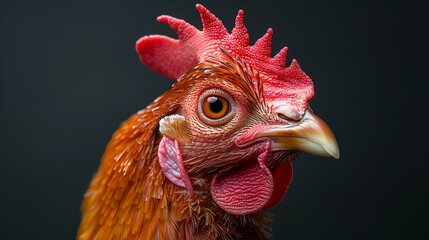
334,152
337,155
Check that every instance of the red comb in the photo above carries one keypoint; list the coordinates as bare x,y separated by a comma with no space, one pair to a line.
173,57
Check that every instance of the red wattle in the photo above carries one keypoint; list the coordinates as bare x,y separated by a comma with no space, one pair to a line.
282,179
245,189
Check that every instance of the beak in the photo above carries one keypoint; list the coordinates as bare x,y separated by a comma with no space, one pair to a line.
310,135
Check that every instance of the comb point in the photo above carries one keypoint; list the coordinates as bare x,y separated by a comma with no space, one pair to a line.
263,45
211,24
240,31
183,29
294,65
280,58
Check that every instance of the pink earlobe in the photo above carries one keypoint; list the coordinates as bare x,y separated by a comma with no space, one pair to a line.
171,163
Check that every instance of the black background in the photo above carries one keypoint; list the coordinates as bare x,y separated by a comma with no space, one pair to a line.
70,76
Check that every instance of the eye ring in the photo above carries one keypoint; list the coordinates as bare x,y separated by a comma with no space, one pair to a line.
215,107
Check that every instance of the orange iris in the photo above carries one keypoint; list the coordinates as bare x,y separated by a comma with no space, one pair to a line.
215,107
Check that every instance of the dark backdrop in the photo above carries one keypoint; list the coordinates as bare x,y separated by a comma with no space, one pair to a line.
70,76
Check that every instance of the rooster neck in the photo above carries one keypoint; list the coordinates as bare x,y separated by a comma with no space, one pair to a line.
130,198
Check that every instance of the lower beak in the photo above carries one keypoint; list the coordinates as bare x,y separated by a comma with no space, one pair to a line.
310,135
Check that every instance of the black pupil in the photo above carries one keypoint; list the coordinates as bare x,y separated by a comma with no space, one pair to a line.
215,105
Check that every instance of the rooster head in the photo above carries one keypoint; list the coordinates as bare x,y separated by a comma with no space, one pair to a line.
240,116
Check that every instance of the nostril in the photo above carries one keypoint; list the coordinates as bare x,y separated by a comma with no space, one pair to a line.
286,118
282,116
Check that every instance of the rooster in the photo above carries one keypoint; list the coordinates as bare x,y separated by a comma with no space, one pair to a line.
205,158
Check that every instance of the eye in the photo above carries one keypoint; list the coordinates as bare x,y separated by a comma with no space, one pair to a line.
215,107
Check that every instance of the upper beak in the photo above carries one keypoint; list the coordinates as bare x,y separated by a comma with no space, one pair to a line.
310,135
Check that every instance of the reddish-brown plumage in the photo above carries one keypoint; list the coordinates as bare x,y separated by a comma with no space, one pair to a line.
130,198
